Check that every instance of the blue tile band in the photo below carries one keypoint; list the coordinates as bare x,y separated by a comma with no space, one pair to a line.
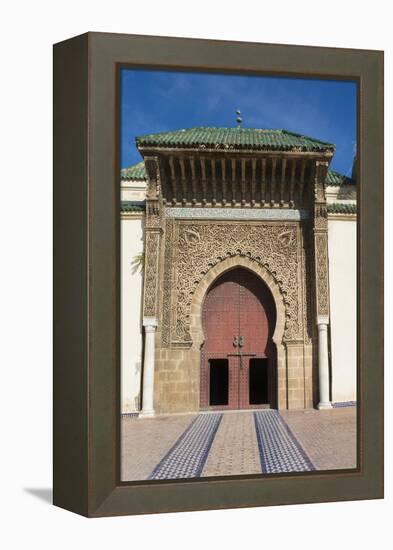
279,450
188,455
130,415
343,404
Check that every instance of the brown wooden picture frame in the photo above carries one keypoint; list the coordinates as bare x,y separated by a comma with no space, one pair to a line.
86,416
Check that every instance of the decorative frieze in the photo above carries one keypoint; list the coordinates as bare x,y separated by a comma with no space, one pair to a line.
238,213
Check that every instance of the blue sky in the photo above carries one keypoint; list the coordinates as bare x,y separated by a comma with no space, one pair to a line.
159,101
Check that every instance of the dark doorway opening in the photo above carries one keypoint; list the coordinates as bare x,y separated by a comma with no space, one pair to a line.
219,381
258,382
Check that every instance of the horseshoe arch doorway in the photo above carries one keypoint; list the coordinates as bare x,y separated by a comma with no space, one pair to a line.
238,357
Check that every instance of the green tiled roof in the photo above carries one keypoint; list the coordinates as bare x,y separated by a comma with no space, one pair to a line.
128,206
135,172
240,138
341,208
336,179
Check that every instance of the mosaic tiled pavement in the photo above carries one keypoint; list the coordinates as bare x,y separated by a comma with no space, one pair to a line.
188,455
236,443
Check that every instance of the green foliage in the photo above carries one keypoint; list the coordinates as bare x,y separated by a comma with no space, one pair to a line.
138,262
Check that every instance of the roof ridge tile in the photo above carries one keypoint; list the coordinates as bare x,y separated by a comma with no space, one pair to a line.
242,137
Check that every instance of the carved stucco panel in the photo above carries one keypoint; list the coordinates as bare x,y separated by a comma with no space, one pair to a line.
191,249
307,280
322,276
151,274
168,305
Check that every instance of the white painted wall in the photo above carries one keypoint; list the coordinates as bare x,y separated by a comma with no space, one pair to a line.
344,193
342,278
133,190
131,301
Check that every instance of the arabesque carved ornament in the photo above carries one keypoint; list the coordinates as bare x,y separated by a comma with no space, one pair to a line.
322,276
194,248
151,274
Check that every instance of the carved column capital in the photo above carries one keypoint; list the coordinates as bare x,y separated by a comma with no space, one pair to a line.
150,323
154,206
320,172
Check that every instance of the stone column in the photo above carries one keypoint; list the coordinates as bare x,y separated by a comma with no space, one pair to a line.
150,324
153,231
323,364
321,264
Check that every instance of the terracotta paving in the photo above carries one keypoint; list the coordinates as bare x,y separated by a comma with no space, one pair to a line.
327,436
145,441
237,443
235,447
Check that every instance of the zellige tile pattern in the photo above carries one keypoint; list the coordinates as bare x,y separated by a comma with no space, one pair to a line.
188,455
329,436
279,450
144,442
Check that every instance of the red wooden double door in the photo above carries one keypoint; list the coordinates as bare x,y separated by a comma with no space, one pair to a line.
238,359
